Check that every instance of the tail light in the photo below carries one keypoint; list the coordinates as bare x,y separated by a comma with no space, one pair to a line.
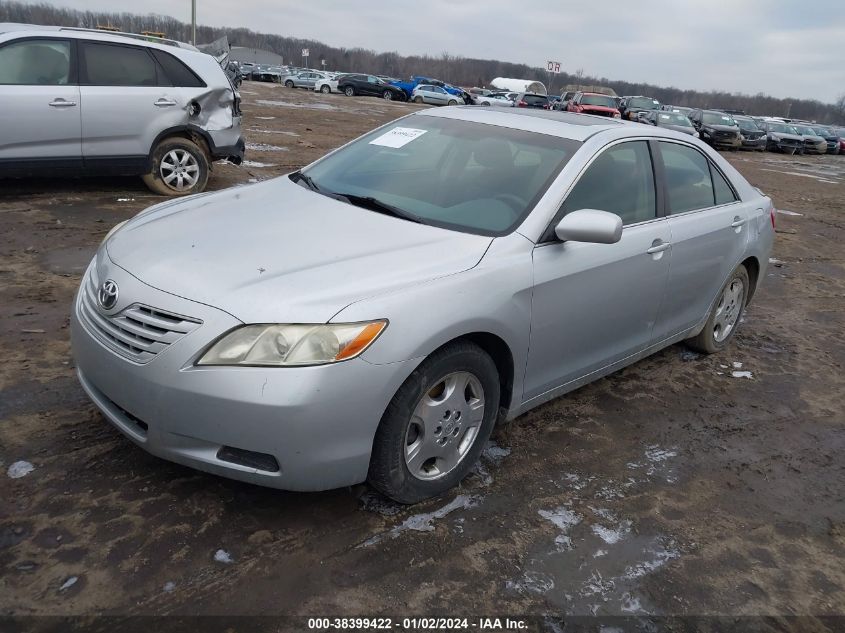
616,115
521,104
772,214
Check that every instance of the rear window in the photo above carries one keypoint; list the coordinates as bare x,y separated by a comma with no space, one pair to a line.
115,65
177,72
535,99
598,100
644,103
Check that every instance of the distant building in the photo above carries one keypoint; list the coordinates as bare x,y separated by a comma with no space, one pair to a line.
255,56
518,85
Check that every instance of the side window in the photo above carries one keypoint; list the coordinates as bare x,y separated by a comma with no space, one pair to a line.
721,188
372,79
688,182
621,181
108,65
35,63
177,72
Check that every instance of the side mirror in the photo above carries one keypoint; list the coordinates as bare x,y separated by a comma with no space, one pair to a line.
590,225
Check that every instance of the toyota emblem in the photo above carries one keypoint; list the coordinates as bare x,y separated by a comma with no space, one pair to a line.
107,294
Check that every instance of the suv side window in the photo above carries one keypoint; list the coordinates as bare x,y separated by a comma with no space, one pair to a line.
688,182
620,180
35,63
177,72
116,65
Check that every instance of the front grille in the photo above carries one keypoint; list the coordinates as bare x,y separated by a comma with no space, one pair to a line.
138,332
721,134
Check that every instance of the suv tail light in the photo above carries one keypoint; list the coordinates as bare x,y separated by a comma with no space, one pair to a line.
772,214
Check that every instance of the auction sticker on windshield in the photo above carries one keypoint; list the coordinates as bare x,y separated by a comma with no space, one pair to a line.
397,137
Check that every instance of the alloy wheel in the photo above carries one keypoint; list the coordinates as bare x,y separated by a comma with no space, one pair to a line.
179,169
728,310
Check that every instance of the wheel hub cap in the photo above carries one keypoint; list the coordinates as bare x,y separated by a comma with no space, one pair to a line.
179,170
444,426
728,310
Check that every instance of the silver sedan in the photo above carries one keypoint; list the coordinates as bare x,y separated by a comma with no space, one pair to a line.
372,316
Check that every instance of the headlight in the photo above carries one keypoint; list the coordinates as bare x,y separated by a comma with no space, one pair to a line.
696,134
114,230
286,345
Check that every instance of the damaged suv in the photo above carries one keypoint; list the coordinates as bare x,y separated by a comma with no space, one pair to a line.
93,103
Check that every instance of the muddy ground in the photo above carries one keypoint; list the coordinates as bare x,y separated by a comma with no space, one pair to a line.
672,487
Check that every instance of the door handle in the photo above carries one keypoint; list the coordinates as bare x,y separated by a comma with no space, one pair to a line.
61,103
165,102
659,248
737,222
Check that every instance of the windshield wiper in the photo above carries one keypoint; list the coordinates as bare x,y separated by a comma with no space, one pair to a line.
300,177
374,204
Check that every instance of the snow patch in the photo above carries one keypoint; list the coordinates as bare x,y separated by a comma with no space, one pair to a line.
563,519
20,469
70,582
169,586
741,374
611,536
253,163
222,556
532,581
785,212
423,522
264,147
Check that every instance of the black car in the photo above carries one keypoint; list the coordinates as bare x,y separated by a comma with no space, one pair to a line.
751,134
369,85
671,120
531,100
716,128
830,136
630,107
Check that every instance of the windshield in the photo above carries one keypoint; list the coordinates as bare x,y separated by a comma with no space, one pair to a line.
643,103
598,100
456,174
674,118
717,118
747,125
803,129
823,131
782,128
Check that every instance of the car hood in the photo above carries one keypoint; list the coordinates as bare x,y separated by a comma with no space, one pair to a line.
721,128
685,129
791,137
815,139
277,252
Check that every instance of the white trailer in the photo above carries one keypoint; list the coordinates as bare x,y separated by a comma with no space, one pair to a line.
518,85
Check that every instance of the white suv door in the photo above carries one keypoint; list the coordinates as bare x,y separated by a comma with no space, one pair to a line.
39,102
126,101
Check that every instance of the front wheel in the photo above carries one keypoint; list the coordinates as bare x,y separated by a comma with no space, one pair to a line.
325,89
452,102
289,83
349,91
437,424
179,168
725,314
387,95
418,99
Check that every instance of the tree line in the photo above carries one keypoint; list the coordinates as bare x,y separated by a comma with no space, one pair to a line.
462,71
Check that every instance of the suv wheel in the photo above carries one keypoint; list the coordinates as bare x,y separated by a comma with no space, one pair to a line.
349,91
179,168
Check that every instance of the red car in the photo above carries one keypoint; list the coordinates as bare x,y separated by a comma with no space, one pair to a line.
594,103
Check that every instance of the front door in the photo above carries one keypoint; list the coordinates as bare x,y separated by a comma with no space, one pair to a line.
39,102
596,304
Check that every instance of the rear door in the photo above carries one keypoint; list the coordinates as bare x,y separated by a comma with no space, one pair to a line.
596,304
39,101
127,100
709,226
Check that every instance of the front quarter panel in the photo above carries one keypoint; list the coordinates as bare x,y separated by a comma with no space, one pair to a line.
494,297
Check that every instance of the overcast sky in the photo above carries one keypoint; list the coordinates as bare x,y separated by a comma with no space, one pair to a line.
779,47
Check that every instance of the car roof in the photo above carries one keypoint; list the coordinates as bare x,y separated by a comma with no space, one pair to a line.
578,127
92,34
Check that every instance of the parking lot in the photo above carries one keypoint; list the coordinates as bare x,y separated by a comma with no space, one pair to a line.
682,485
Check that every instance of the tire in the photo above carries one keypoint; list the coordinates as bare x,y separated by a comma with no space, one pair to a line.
408,477
452,102
325,89
349,91
387,95
289,83
418,99
192,160
724,315
484,103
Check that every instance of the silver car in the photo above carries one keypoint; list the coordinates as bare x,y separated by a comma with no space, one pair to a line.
435,95
304,80
373,315
99,103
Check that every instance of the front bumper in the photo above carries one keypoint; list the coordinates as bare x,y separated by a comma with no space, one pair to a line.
785,146
729,142
815,148
757,143
317,423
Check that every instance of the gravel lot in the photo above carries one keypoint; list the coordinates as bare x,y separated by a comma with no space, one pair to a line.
673,487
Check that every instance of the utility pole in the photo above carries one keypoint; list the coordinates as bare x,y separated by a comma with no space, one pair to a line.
194,22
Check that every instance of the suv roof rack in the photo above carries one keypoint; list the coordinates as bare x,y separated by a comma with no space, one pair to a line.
146,37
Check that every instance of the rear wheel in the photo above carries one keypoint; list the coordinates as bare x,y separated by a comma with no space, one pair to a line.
325,89
725,314
349,91
418,99
452,102
179,168
387,95
289,83
437,424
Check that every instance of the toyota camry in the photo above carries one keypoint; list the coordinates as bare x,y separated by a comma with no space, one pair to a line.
373,315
